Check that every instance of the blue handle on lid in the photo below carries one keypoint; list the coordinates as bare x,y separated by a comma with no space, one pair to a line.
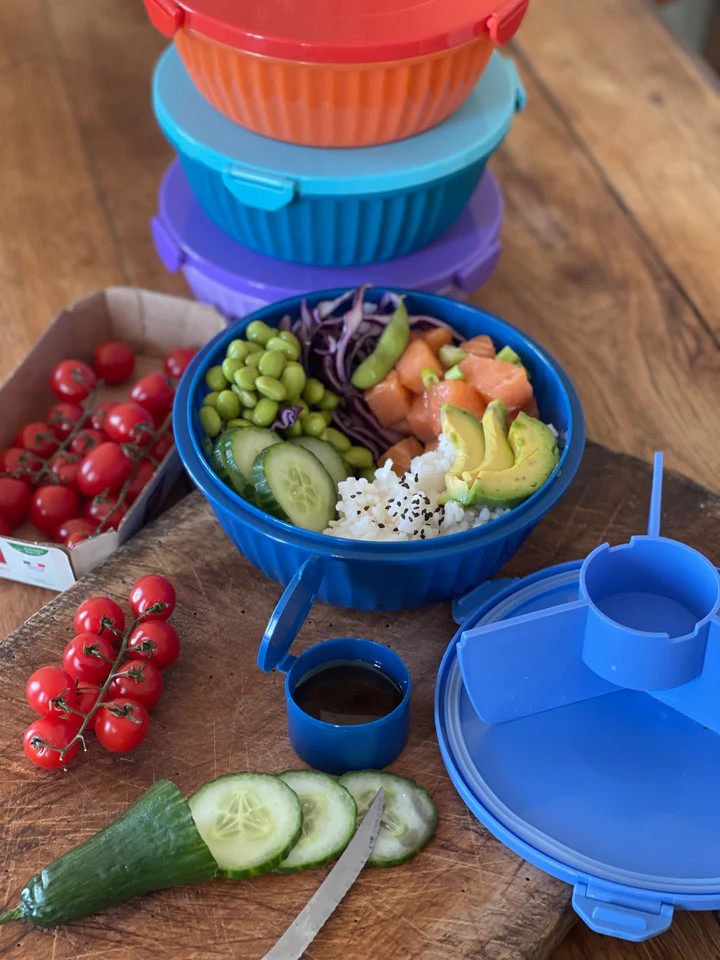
604,911
260,190
289,616
656,496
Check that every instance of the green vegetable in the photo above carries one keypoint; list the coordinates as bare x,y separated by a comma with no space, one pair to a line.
451,356
153,845
288,349
293,379
313,391
252,360
259,332
210,421
210,399
327,455
229,366
429,377
314,424
293,485
248,399
228,405
390,347
359,458
265,413
290,337
328,401
238,422
237,350
328,819
295,430
337,439
245,378
454,373
271,364
239,450
368,474
271,388
215,379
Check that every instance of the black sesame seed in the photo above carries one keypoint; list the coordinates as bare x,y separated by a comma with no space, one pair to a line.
382,526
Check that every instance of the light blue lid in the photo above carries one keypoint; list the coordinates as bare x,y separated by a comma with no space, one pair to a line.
289,615
271,173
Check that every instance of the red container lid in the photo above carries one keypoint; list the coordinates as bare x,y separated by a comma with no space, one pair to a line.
340,31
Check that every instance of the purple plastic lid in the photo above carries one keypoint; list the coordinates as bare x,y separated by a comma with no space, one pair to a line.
465,256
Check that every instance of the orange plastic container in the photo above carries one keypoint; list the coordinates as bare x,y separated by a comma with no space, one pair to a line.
366,72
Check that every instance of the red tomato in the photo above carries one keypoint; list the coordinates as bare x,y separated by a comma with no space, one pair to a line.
149,591
155,394
45,734
89,657
144,473
130,423
4,527
140,681
66,466
155,640
121,725
64,417
176,363
162,446
87,440
76,537
20,463
105,510
37,438
74,526
72,380
49,690
113,361
99,414
14,500
87,698
52,505
90,614
104,468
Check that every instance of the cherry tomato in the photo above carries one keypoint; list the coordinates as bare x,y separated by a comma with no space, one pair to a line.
5,530
176,363
86,658
64,417
113,361
76,537
121,724
140,681
72,380
144,473
75,525
66,466
14,500
151,590
130,423
44,734
155,640
99,414
104,468
20,463
155,394
86,440
46,687
162,446
87,698
105,510
37,438
90,614
52,505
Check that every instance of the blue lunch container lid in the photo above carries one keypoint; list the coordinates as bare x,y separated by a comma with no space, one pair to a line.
289,615
463,256
269,174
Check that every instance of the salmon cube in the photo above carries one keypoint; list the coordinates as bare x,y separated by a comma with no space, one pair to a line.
481,346
401,453
389,400
457,392
417,357
498,380
419,420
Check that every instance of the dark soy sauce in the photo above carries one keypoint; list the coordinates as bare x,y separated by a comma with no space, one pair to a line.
347,692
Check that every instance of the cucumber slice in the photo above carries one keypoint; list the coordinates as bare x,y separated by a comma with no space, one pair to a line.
329,815
327,455
409,815
292,484
249,821
239,448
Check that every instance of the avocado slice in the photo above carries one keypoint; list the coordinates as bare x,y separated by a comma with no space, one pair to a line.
466,434
498,453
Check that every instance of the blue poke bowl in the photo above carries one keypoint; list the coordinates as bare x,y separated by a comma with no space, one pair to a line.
371,575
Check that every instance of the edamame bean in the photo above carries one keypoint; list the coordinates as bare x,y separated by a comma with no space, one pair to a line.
211,398
252,348
451,355
327,416
337,439
295,430
271,364
289,337
229,366
313,391
271,388
248,399
265,412
248,415
237,350
210,421
388,350
259,332
228,405
238,422
368,474
215,379
253,360
290,350
328,401
246,377
313,425
236,390
293,379
359,458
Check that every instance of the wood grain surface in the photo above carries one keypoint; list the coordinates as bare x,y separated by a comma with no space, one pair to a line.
610,243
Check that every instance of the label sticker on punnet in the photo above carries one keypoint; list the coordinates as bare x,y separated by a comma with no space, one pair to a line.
46,567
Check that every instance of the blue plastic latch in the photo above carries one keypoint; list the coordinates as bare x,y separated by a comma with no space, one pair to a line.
256,189
610,911
520,92
289,616
463,606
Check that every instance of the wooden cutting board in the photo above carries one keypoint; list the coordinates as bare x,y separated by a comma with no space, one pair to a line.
466,896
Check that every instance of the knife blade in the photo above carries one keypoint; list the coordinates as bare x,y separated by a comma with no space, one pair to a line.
308,923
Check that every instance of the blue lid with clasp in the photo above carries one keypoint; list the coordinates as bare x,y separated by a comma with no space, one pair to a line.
288,617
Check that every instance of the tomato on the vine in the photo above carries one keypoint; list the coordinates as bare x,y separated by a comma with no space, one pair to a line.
154,640
149,591
177,362
72,380
38,438
50,690
89,657
139,680
99,414
45,738
130,423
86,440
14,500
64,417
105,510
90,614
87,697
66,466
20,464
104,468
113,361
76,525
144,472
76,537
121,724
162,446
52,505
154,393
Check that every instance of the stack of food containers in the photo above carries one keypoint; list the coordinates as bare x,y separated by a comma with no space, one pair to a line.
349,141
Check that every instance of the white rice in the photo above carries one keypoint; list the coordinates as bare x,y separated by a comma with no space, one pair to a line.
405,508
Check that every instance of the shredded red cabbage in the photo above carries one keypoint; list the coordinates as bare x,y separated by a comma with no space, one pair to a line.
286,417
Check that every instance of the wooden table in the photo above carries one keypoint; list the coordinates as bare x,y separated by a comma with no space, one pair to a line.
612,183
